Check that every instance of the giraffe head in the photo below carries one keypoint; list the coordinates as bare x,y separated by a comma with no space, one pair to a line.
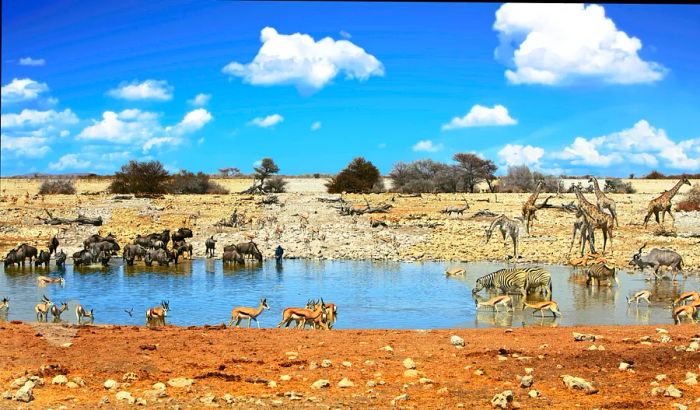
686,181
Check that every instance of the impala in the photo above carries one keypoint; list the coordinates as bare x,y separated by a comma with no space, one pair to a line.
43,280
641,295
686,297
249,313
551,305
158,314
330,314
42,309
302,315
504,300
80,313
57,311
686,310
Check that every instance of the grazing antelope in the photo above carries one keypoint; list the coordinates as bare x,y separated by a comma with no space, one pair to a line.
57,311
44,280
504,300
80,313
686,310
42,309
686,297
158,314
551,305
301,316
455,272
241,313
641,295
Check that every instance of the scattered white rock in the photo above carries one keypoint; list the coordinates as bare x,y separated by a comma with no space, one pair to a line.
387,348
110,384
572,382
672,391
347,364
345,383
180,382
60,380
501,400
124,395
320,384
526,381
625,366
285,377
409,363
25,393
72,385
533,393
326,363
457,341
159,386
130,377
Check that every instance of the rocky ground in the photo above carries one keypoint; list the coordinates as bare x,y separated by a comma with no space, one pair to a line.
308,228
635,367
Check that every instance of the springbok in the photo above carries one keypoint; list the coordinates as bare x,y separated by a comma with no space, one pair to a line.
551,305
301,316
330,314
686,297
57,311
158,314
44,280
241,313
80,313
504,300
42,309
685,310
455,271
641,295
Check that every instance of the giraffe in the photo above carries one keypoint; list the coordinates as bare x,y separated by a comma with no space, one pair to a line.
663,203
596,218
603,201
529,207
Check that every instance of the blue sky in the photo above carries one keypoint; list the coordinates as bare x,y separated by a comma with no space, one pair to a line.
609,90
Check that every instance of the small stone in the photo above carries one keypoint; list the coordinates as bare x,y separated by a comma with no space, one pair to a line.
526,381
326,363
19,382
660,330
371,383
25,394
369,363
502,399
533,393
104,400
680,406
660,377
110,384
584,337
478,372
624,366
79,381
208,399
409,363
7,395
443,390
180,382
529,370
425,380
285,377
347,364
320,384
154,394
413,373
72,385
578,383
229,399
67,345
345,383
159,386
141,402
672,391
665,339
313,366
59,380
123,395
457,341
387,348
130,377
402,397
272,384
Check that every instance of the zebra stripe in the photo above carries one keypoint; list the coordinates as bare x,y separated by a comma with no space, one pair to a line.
600,272
507,280
536,278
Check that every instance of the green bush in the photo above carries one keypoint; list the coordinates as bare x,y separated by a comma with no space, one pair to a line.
360,176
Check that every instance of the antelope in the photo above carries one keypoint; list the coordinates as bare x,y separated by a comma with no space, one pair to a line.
56,311
241,313
330,314
497,300
80,313
42,309
5,304
44,280
641,295
686,310
301,315
455,272
158,314
686,297
551,305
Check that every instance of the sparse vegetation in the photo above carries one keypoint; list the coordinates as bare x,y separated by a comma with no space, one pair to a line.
691,200
276,184
423,176
57,186
473,170
616,186
140,178
185,182
360,176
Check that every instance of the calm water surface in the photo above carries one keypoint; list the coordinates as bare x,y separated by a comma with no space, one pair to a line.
368,294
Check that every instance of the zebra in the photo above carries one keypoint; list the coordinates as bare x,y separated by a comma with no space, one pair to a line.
507,226
507,280
600,272
538,278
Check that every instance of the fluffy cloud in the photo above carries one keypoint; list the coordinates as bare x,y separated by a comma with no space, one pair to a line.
69,161
515,155
426,146
31,61
642,144
24,147
269,121
316,126
299,60
33,118
146,90
193,121
200,100
21,90
557,43
480,116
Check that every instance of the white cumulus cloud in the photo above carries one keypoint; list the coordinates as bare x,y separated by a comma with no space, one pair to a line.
427,146
193,121
515,155
24,147
34,118
21,90
265,122
69,161
200,100
558,43
481,116
158,90
297,59
28,61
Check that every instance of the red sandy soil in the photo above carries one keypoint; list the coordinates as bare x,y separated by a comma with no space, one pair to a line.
241,362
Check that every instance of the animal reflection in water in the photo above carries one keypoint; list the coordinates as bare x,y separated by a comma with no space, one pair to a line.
489,312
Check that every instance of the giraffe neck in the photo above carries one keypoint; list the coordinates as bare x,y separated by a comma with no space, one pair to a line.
598,192
535,194
587,208
670,194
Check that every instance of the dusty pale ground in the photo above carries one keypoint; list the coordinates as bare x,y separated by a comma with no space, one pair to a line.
277,367
416,229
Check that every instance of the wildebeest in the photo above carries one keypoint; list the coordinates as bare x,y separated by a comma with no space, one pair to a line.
18,255
131,252
12,257
142,241
43,259
164,236
53,245
104,257
656,258
210,245
60,258
231,256
84,257
29,251
181,248
97,238
249,248
107,246
181,234
161,256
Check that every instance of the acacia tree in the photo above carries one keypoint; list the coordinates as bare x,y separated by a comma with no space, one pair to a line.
474,170
359,176
140,178
263,180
